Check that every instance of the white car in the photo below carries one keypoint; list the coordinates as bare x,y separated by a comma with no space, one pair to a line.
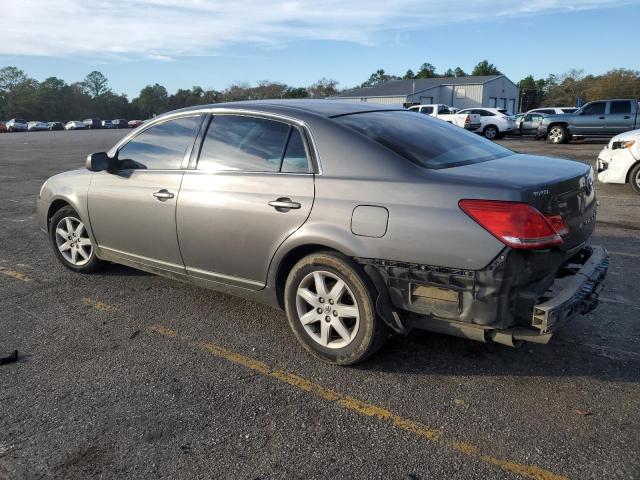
75,125
494,122
37,126
467,121
619,161
17,125
553,110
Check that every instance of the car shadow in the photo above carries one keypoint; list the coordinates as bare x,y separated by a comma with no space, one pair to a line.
428,353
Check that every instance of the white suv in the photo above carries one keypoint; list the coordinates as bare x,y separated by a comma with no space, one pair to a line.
494,122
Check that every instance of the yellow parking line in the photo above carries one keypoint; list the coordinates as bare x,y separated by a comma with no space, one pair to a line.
105,307
14,274
363,408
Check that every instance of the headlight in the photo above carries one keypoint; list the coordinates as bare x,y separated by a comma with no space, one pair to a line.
622,144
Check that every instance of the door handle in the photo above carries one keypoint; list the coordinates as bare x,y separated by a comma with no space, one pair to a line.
163,195
284,204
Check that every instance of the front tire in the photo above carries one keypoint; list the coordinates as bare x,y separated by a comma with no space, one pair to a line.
71,242
330,305
491,132
634,178
558,134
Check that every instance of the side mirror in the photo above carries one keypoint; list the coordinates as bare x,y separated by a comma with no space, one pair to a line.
97,162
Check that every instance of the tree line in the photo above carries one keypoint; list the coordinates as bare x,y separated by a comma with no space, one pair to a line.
54,99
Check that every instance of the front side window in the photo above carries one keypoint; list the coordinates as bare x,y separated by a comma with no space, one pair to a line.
426,110
596,108
161,147
251,144
428,142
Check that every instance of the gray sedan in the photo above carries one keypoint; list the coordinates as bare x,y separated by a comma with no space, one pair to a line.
358,220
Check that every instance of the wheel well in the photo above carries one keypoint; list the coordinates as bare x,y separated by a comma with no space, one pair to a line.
562,124
628,178
54,207
491,125
287,263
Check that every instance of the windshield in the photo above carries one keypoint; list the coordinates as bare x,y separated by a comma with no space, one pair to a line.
426,141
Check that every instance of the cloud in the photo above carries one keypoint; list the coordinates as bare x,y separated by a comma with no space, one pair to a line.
165,29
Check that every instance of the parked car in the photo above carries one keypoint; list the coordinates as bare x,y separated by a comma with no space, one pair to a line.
602,118
494,122
75,125
17,125
107,124
56,126
135,123
37,126
120,123
92,123
528,123
619,160
468,121
553,110
3,127
403,222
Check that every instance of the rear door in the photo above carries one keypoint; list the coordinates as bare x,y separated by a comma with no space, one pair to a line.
591,120
252,187
620,118
132,210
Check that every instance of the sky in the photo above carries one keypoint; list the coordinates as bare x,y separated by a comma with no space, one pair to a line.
210,43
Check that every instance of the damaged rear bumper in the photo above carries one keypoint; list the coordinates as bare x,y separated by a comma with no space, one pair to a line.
519,297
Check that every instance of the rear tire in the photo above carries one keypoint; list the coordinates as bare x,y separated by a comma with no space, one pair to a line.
71,242
558,134
330,305
491,132
634,178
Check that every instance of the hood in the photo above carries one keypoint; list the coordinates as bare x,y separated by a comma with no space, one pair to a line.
556,118
630,135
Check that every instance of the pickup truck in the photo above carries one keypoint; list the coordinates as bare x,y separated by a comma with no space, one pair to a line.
602,118
468,121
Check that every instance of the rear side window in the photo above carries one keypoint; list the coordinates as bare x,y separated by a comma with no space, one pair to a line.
161,147
251,144
295,156
426,110
620,107
486,113
569,110
428,142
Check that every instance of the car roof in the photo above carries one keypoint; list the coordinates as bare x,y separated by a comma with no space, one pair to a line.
324,108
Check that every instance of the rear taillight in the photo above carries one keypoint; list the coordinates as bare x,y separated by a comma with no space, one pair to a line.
518,225
467,119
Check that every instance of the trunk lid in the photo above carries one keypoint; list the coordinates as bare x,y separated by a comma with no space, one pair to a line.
552,185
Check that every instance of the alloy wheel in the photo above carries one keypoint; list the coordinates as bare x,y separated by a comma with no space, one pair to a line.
555,135
73,242
327,309
490,133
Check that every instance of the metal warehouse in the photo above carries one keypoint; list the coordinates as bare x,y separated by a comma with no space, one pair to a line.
460,92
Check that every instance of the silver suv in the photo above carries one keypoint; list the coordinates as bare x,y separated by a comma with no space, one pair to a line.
358,220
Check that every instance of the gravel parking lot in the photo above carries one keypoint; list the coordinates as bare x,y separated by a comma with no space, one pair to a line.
122,374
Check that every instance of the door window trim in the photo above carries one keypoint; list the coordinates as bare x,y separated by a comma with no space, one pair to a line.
307,139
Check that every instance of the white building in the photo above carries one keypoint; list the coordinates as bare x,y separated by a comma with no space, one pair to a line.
460,92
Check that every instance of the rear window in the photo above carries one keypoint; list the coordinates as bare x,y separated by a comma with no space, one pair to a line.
569,110
423,140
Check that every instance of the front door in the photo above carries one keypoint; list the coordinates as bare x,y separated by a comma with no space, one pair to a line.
591,119
132,210
253,186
